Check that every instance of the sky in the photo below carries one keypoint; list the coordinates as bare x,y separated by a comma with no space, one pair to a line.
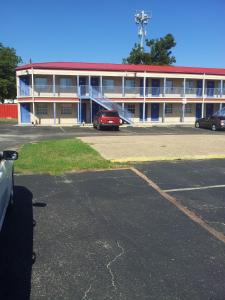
105,31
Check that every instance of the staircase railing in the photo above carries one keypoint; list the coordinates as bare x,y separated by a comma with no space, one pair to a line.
95,95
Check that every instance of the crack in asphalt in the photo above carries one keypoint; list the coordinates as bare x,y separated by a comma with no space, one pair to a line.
113,261
86,293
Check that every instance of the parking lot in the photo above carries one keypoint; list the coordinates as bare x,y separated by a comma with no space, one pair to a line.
110,235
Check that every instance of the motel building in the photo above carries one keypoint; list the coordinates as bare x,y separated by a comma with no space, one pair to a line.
71,93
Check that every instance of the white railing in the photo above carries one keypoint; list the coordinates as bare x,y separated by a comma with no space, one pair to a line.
119,91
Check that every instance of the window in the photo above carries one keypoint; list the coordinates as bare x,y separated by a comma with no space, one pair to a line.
42,109
189,86
41,84
169,108
108,85
66,109
188,108
130,85
110,114
66,85
131,108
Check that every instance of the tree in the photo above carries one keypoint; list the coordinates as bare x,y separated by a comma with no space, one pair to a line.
8,62
159,52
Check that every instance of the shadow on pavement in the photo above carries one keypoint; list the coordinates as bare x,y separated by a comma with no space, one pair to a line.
16,248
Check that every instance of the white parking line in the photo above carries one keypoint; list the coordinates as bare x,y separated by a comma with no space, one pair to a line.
195,188
190,214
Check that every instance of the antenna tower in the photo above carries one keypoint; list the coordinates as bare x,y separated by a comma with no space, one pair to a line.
141,19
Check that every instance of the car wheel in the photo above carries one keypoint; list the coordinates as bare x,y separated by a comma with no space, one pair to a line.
213,127
116,128
197,125
98,126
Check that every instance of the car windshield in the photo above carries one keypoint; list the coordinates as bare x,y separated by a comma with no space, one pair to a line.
110,114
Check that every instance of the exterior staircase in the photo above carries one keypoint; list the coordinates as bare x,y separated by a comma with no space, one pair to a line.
96,96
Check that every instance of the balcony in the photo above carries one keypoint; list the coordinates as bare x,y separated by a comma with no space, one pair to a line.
118,91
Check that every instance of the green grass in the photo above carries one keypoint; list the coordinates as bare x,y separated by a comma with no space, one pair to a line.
8,121
59,156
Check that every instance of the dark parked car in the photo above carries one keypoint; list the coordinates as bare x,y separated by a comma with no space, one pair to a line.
107,118
214,122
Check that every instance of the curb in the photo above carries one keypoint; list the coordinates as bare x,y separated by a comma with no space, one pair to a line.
164,158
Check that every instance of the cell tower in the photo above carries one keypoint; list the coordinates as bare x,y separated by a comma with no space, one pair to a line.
141,19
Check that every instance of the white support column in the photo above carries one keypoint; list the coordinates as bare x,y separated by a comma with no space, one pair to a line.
123,86
164,87
17,87
221,88
184,91
203,107
101,90
18,95
78,112
53,85
144,84
164,112
89,85
78,84
32,84
203,95
54,112
183,112
91,110
221,106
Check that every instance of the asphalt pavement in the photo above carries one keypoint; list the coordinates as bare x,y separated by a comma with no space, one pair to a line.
12,136
109,235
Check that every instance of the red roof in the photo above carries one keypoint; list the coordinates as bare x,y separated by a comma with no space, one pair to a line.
121,67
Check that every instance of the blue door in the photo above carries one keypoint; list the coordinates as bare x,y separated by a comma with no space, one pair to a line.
209,109
155,87
83,116
198,111
24,86
155,111
199,88
25,113
210,88
82,84
141,111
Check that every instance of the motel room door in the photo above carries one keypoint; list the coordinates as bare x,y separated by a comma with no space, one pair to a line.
155,111
155,87
199,88
83,116
209,109
210,88
198,111
25,113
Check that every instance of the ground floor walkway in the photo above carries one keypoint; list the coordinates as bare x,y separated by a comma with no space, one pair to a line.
83,112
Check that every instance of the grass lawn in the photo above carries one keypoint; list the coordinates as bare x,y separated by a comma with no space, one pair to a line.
59,156
8,121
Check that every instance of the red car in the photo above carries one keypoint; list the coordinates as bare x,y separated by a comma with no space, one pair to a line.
107,118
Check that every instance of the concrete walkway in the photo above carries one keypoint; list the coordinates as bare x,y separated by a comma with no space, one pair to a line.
158,147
